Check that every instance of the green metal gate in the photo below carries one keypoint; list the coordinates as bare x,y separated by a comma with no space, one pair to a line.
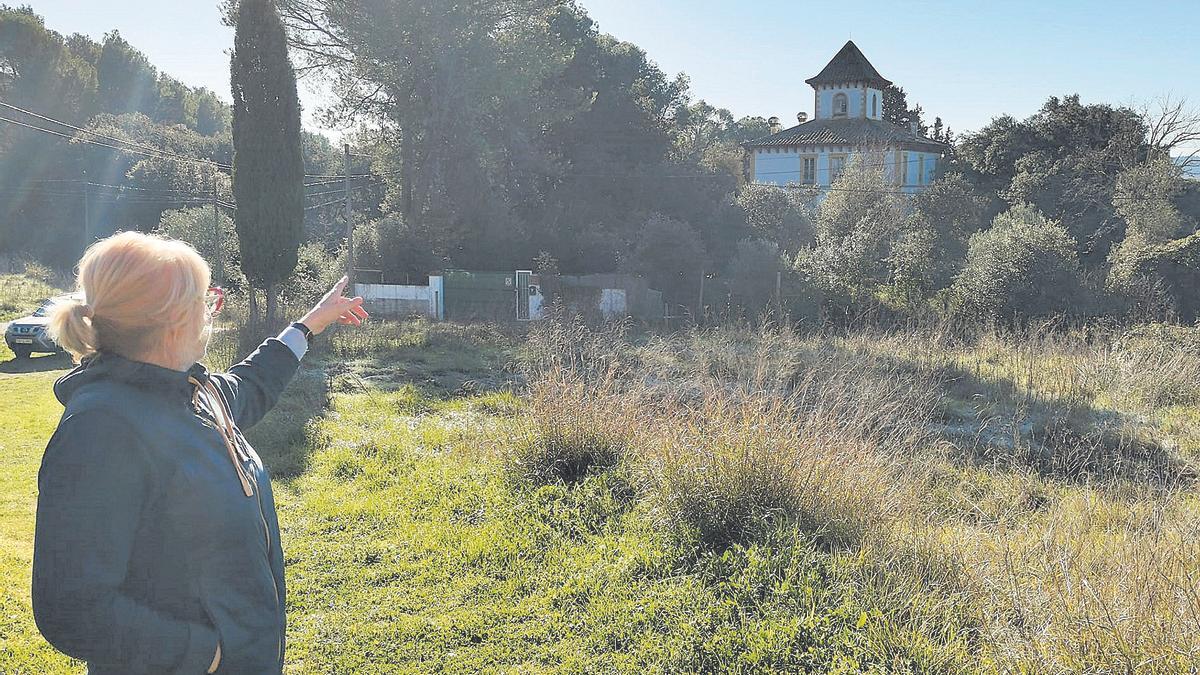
480,295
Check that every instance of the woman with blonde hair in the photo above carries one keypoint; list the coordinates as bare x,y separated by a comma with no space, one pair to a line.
157,547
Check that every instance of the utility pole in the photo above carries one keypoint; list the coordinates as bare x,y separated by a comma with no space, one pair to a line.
700,309
218,257
349,222
87,220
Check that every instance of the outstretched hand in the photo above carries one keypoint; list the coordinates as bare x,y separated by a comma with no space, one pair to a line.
333,307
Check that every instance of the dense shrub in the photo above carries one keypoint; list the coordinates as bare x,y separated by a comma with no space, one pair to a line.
317,269
1174,268
402,255
752,274
1023,266
727,469
581,417
932,243
856,225
779,215
671,256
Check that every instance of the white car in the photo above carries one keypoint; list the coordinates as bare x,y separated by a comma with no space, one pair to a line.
27,335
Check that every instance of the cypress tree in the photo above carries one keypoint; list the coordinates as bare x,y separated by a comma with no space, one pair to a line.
268,164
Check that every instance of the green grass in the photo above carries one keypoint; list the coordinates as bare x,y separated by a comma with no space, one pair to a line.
412,546
411,549
28,415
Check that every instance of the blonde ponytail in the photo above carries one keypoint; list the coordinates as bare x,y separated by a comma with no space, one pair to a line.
70,325
137,289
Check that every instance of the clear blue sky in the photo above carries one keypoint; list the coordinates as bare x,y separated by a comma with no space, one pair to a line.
966,61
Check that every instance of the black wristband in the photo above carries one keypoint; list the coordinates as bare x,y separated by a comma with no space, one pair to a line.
308,334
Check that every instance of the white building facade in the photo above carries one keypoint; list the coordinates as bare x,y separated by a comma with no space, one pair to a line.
847,120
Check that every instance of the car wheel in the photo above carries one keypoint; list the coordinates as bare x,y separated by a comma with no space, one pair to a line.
22,353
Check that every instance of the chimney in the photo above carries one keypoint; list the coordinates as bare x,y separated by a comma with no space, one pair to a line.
774,125
912,126
801,117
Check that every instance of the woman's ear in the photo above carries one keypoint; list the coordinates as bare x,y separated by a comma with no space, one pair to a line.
183,343
170,342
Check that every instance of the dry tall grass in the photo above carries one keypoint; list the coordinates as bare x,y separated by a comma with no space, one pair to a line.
1017,491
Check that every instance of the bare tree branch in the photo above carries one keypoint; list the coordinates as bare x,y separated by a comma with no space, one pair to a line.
1173,125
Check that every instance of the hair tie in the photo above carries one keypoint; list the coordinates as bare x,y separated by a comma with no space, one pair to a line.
88,312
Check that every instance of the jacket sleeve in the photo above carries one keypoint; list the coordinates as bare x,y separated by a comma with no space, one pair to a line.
252,387
92,490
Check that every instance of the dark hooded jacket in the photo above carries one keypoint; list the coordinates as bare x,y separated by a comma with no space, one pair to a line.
147,548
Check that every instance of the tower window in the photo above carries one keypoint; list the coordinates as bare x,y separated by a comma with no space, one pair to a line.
840,105
874,109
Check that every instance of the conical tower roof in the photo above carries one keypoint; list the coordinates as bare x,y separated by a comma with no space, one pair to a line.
849,66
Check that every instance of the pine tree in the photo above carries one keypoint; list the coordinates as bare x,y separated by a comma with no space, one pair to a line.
895,106
268,164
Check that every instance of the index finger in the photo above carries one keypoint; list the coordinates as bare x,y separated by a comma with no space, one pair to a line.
339,286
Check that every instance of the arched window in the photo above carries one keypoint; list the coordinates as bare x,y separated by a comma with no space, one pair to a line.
873,107
840,104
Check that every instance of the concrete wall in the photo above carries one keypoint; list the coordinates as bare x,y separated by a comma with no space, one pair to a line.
614,294
400,300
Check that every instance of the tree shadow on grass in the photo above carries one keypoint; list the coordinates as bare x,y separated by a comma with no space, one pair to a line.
1062,437
283,438
448,364
36,364
992,421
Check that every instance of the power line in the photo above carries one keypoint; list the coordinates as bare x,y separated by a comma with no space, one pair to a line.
145,192
40,192
329,203
336,182
106,145
329,175
142,189
107,198
353,175
342,191
147,148
149,192
329,192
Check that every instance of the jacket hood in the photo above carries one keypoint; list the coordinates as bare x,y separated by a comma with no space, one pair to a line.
106,366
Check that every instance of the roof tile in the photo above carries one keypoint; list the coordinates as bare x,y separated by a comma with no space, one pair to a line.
856,132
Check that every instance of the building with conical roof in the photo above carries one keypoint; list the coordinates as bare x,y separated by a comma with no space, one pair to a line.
847,119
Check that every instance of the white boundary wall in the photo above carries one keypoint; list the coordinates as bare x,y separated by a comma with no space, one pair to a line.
399,300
